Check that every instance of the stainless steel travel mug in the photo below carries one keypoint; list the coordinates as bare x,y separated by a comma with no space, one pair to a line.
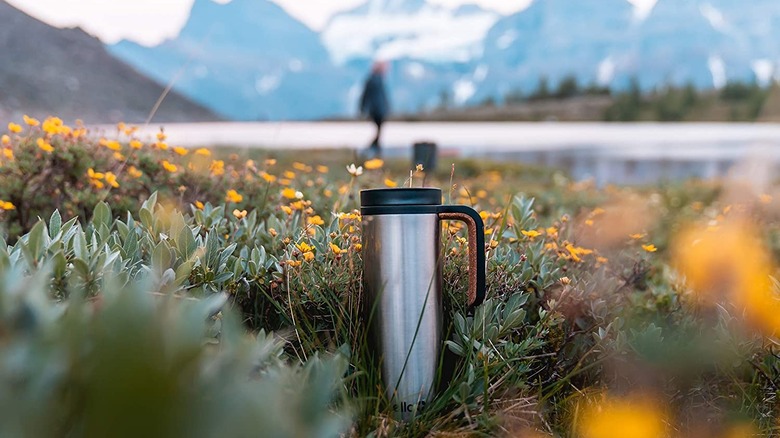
402,283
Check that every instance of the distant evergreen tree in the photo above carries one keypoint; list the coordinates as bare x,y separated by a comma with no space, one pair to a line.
567,88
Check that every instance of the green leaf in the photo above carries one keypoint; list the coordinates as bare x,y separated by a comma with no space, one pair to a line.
55,224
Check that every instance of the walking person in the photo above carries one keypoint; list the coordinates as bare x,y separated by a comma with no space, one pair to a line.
374,103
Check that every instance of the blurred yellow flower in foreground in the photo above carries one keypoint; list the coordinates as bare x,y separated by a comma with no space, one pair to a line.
44,145
52,125
8,153
390,183
199,205
622,418
649,248
217,167
531,233
111,179
5,205
730,263
374,164
15,128
203,152
315,220
6,139
133,172
136,144
233,196
180,150
289,193
169,167
113,145
31,121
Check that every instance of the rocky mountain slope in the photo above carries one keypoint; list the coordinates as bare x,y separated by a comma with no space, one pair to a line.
65,72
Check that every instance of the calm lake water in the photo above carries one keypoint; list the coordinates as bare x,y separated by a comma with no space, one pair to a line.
609,153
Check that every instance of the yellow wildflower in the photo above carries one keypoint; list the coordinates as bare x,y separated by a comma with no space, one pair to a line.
304,247
217,167
239,214
199,205
649,248
624,418
161,145
97,183
169,167
270,162
293,263
31,121
135,173
299,166
111,179
358,247
286,209
531,233
118,156
315,220
44,145
8,153
161,135
730,263
6,139
15,128
288,174
180,150
322,169
113,145
374,164
5,205
390,183
267,177
52,125
308,256
136,144
552,232
233,196
94,175
289,193
285,182
638,236
203,152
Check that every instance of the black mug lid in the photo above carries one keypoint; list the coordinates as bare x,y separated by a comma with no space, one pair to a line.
400,196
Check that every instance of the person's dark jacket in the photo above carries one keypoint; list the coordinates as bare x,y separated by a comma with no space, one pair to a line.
374,101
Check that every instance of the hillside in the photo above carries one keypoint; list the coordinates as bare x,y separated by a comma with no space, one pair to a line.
45,70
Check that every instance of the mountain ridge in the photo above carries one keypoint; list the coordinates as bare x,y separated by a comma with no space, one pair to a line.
66,72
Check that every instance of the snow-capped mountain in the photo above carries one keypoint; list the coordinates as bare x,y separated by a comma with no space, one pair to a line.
249,59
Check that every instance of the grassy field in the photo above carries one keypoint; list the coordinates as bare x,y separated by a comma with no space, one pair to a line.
149,290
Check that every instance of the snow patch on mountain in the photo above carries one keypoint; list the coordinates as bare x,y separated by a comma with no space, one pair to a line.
764,69
718,69
463,90
394,29
714,17
606,71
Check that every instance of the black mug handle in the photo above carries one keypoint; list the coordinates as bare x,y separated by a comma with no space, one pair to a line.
477,264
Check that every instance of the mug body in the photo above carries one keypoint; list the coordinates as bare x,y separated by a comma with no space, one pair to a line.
402,280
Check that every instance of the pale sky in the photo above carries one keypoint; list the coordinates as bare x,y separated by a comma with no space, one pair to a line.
151,21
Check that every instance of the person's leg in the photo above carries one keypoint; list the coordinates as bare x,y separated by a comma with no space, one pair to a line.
375,143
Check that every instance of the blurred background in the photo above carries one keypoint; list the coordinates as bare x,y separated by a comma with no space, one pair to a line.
272,62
